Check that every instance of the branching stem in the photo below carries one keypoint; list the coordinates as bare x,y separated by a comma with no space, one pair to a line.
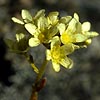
30,60
41,70
39,82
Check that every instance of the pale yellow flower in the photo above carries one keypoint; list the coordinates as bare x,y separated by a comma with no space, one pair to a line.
72,33
41,32
58,54
75,32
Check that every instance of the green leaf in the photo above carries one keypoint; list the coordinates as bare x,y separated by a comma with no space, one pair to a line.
31,28
22,44
26,16
17,21
12,45
17,46
9,43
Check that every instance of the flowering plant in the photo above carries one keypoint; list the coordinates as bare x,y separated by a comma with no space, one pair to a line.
61,36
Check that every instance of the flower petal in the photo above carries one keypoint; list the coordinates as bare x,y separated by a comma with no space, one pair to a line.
78,28
65,20
67,48
42,23
86,26
76,16
91,34
79,38
66,62
55,41
56,66
61,27
48,54
31,28
71,27
17,20
26,16
39,14
53,17
34,42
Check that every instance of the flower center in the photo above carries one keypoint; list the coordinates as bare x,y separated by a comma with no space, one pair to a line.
41,37
66,38
55,53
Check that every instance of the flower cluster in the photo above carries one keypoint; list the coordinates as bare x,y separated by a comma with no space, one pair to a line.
60,35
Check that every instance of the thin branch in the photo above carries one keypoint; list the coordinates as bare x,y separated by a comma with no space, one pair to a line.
41,70
36,88
30,60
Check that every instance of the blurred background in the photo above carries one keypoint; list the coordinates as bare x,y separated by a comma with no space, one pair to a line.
82,82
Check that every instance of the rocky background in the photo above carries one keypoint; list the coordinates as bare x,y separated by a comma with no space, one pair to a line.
82,82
